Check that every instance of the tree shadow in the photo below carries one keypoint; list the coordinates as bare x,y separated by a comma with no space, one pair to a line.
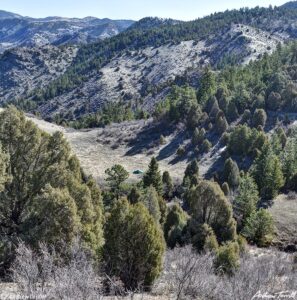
148,138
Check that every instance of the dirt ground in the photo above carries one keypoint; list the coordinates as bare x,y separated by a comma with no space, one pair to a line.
284,212
126,144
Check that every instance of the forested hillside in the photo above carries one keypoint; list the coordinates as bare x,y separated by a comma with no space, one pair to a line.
221,39
173,171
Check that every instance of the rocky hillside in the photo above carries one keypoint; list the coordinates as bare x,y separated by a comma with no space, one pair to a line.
139,65
26,68
19,31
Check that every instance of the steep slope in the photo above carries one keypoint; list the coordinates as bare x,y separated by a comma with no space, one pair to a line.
140,64
144,75
21,31
24,69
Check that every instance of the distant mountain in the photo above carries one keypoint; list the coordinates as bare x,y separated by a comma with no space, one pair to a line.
150,22
18,31
290,5
8,15
137,66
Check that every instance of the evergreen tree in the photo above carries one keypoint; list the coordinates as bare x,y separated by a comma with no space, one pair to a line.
227,258
150,199
134,196
167,185
45,196
116,176
198,136
231,173
209,205
267,173
153,177
247,199
191,176
259,228
175,223
207,86
289,159
201,236
221,124
259,118
134,246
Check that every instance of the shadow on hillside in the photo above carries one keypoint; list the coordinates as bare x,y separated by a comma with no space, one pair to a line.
148,138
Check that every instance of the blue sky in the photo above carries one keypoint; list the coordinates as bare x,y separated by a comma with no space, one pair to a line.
127,9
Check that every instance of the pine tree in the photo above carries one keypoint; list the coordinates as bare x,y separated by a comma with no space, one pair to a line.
221,124
259,118
116,176
207,86
259,228
134,246
167,185
231,173
134,196
191,176
247,199
153,177
268,174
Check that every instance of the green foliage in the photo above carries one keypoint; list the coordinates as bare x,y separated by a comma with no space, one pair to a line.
201,236
207,86
227,258
134,196
175,223
225,188
259,118
245,141
134,245
268,174
221,123
110,113
167,185
208,205
289,159
150,199
117,175
153,177
259,228
191,177
44,197
231,173
206,146
246,201
198,136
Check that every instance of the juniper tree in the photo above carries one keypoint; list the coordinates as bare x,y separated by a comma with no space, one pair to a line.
44,194
167,185
134,246
153,176
117,175
231,173
208,205
176,221
191,176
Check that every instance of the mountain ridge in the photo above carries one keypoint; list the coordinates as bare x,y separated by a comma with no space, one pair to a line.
19,31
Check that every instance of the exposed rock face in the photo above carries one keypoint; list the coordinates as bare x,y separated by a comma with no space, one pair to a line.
141,75
24,69
16,31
